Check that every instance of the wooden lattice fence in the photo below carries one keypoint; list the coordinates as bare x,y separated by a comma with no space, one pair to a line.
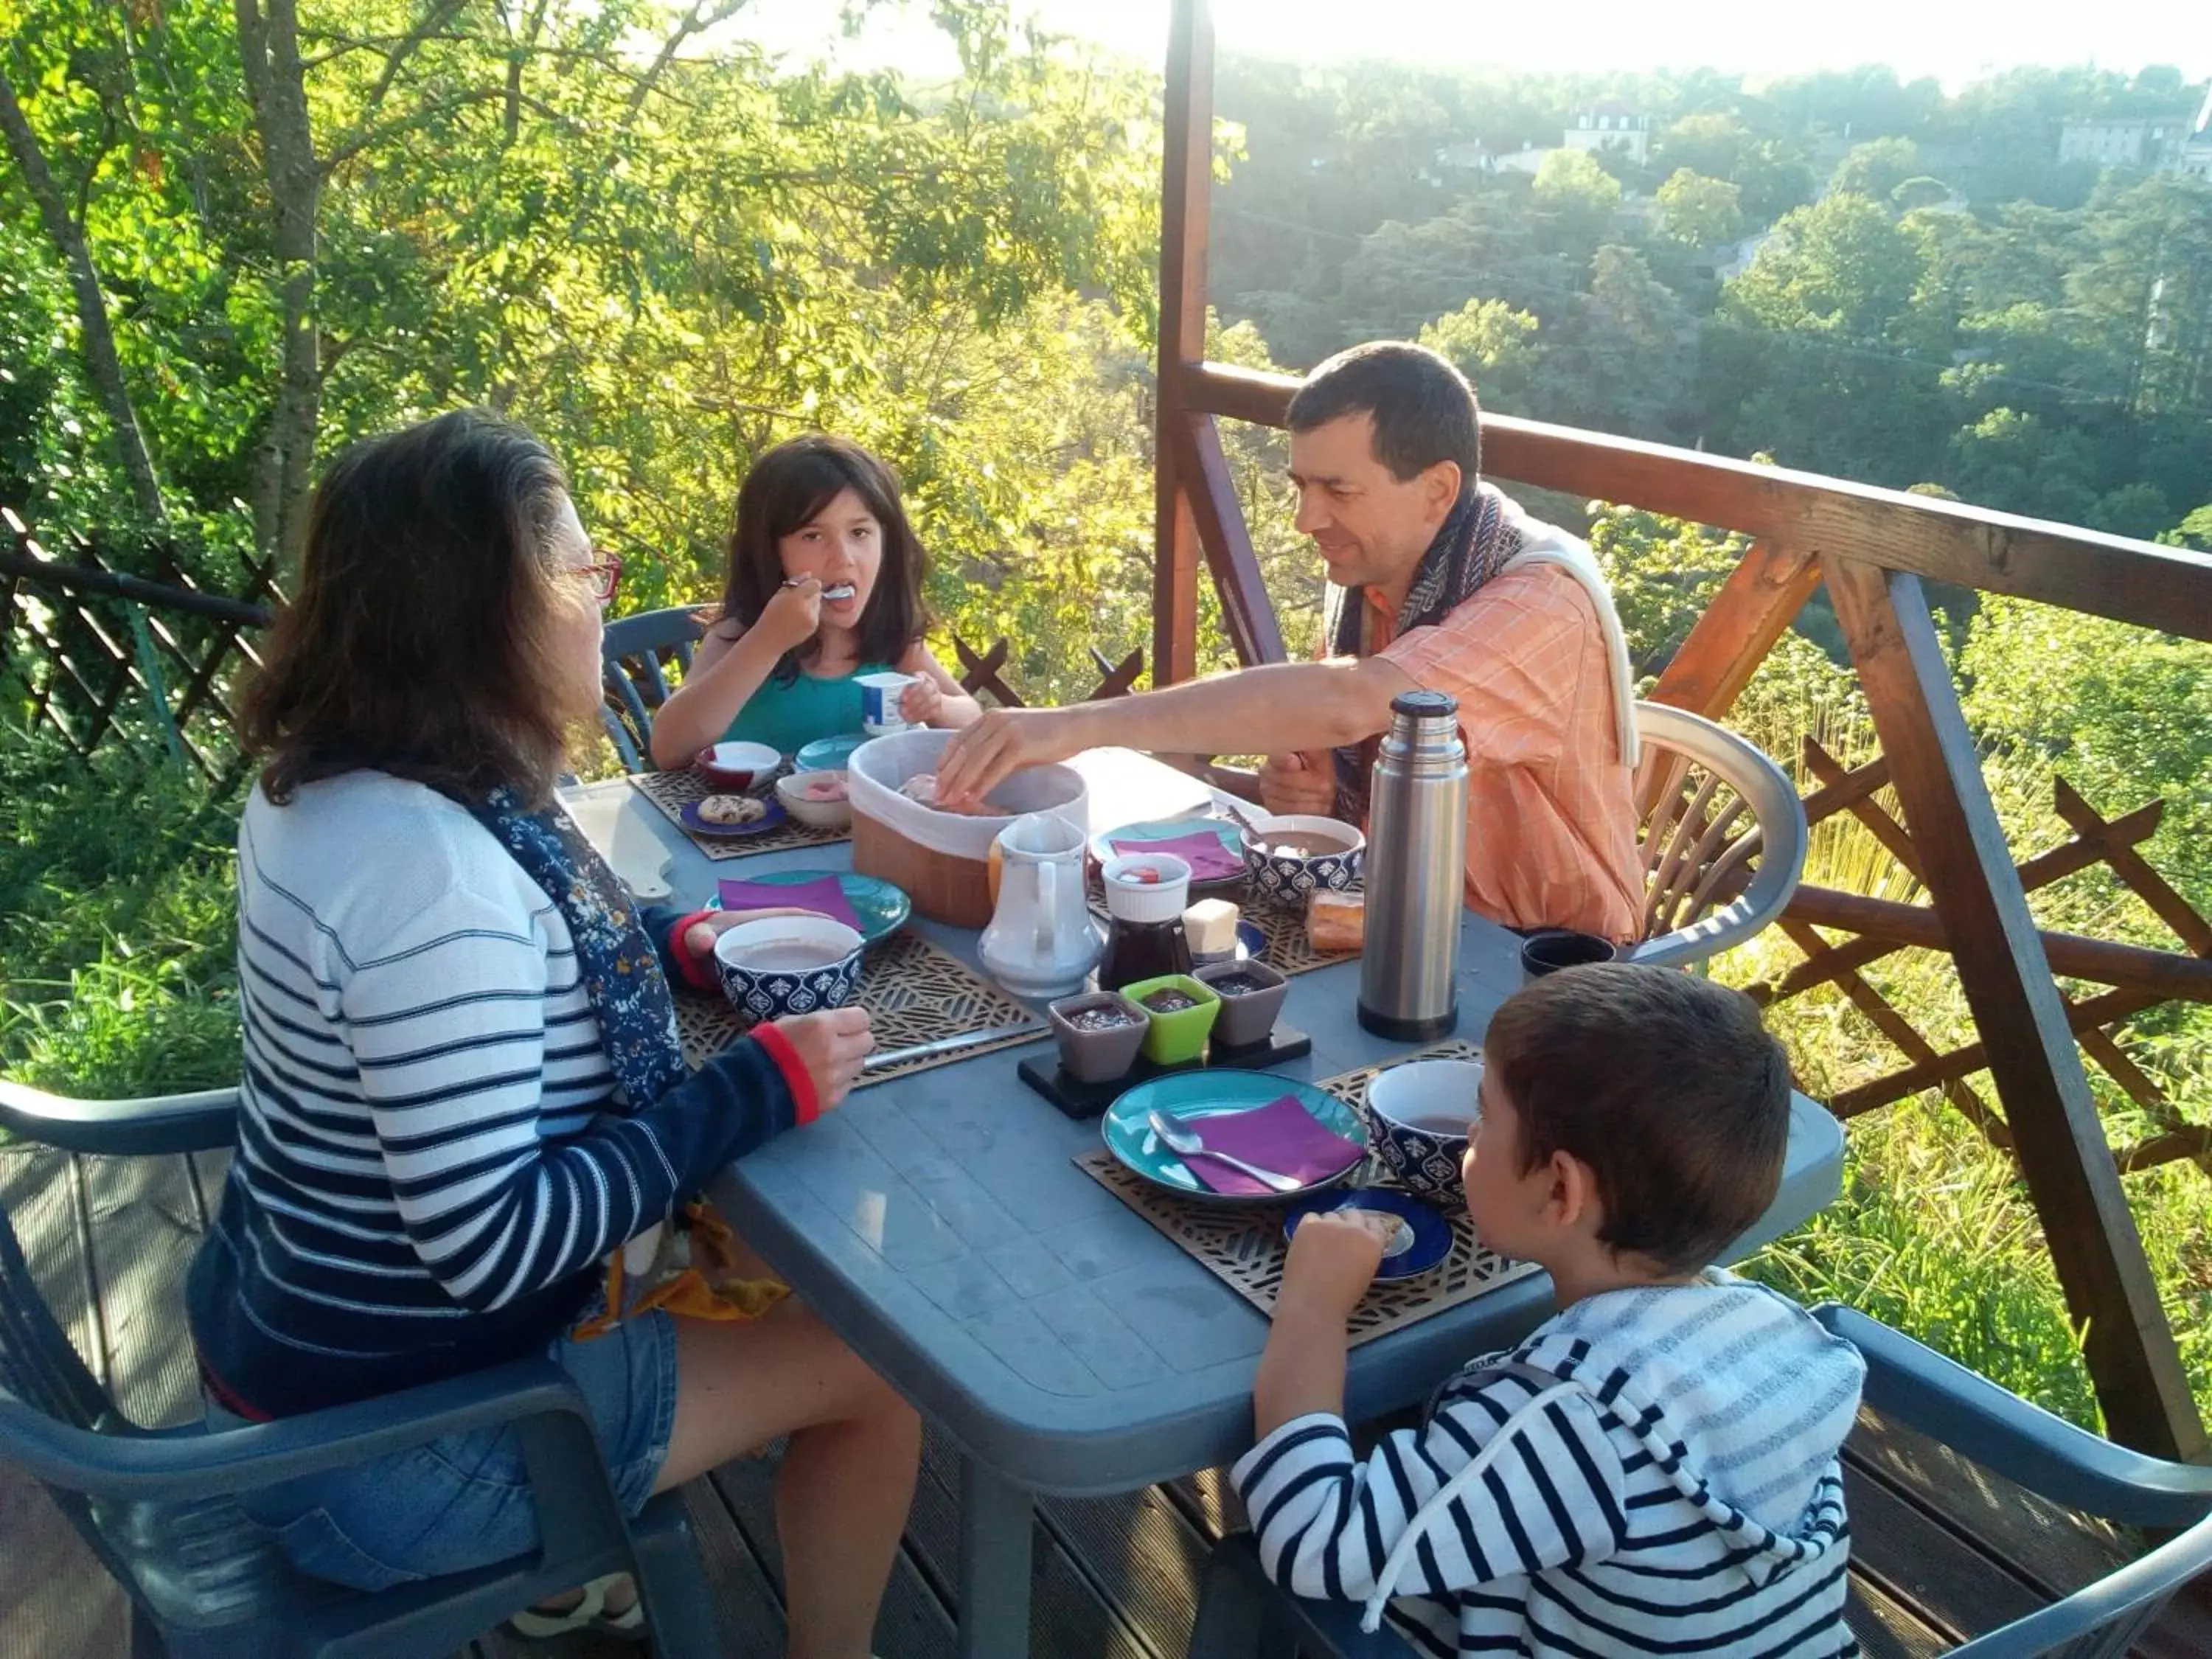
106,654
2139,978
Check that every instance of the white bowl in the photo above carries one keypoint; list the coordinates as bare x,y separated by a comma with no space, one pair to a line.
746,766
791,790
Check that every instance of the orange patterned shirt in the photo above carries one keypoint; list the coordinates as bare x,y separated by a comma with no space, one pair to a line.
1550,813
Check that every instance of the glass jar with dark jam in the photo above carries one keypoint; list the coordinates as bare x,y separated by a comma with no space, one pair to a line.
1145,896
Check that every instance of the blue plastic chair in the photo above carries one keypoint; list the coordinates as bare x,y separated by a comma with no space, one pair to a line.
634,655
159,1507
1241,1613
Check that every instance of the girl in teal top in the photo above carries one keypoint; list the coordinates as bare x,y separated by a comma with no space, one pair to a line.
825,586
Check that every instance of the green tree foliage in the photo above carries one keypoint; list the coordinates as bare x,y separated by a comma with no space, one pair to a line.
1579,196
1494,345
1876,169
1699,211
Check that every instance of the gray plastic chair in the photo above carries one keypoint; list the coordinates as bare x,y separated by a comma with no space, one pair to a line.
1242,1614
1724,837
634,655
159,1507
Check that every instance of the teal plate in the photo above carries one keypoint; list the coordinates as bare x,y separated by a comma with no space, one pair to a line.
1204,1094
883,908
826,754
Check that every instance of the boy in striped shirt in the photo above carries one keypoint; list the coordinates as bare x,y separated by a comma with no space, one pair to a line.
1655,1469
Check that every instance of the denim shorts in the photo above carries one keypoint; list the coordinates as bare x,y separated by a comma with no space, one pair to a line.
462,1501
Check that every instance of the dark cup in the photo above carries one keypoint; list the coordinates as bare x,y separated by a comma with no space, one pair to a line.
1549,949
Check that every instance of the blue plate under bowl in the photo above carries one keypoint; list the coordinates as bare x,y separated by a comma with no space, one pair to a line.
882,907
826,754
1253,939
1201,1095
699,826
1424,1238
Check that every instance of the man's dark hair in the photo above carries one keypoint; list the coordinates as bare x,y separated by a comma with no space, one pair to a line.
1665,1086
1425,410
422,639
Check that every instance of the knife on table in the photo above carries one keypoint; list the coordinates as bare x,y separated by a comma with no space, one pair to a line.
950,1045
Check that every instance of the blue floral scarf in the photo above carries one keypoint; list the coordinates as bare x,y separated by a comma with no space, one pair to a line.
621,970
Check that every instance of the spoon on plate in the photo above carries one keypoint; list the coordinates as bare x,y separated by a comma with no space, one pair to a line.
1179,1139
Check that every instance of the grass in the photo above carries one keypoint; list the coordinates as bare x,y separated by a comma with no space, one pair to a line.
116,924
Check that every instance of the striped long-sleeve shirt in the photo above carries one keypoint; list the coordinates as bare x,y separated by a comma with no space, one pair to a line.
434,1156
1653,1471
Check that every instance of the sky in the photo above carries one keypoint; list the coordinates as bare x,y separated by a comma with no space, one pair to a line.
1953,40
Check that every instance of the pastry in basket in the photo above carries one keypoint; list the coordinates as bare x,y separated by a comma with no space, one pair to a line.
733,810
922,787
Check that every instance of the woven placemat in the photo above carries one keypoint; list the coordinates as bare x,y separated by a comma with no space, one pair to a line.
672,792
1243,1246
914,992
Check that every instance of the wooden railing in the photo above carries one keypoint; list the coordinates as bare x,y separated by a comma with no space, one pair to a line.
1871,547
105,653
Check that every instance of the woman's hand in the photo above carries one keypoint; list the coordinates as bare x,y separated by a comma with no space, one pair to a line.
791,617
699,938
831,1046
921,702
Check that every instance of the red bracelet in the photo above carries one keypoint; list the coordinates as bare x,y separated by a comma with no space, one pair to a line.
698,971
806,1104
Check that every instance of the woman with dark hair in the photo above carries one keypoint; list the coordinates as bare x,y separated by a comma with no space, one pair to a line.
825,586
462,1083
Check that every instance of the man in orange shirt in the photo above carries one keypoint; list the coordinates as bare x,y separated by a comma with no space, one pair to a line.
1438,581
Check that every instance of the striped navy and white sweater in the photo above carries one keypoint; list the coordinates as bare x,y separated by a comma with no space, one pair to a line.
434,1157
1654,1471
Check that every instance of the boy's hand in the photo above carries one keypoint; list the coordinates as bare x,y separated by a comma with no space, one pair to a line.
1333,1256
922,702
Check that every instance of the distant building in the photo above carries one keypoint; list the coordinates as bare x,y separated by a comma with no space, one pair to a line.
1614,125
2195,156
2145,142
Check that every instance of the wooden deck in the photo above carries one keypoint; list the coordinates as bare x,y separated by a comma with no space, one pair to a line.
1942,1551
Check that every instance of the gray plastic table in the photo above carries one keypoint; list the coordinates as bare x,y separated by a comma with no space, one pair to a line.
937,1223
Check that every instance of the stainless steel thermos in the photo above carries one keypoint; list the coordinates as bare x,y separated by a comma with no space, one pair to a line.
1416,856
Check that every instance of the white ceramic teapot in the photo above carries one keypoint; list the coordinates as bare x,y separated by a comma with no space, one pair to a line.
1041,941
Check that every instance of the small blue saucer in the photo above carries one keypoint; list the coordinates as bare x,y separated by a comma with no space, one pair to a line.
1425,1240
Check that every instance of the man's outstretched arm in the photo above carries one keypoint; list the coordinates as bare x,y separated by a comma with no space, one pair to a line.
1255,711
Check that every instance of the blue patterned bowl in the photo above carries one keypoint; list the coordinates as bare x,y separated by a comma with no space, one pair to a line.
782,965
1295,856
1420,1115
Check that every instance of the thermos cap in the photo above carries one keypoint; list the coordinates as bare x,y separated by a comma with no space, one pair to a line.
1425,705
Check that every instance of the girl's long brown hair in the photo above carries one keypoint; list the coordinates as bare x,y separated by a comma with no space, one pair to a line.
788,490
421,640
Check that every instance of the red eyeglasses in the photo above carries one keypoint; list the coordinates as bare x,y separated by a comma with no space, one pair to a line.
605,573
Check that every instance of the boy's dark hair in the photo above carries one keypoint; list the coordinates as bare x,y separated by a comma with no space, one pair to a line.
1665,1086
421,640
1425,410
788,490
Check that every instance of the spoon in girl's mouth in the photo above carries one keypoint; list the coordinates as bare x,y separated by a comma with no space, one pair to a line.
842,591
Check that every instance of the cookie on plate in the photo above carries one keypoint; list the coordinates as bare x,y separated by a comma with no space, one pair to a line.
732,810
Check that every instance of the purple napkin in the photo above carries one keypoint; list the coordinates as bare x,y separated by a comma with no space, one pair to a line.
1282,1136
1208,858
823,896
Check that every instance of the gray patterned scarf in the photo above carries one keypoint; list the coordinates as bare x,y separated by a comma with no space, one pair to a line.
1472,544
